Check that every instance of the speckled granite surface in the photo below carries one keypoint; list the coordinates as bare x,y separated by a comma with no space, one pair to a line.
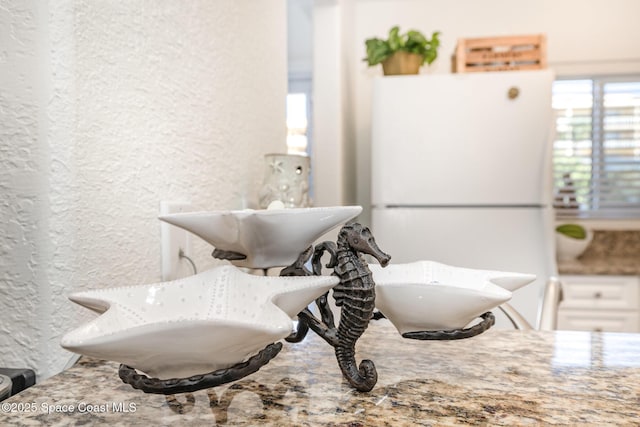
613,252
498,378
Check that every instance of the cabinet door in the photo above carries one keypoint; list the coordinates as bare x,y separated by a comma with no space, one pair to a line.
600,321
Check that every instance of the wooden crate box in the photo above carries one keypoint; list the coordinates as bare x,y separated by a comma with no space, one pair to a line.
500,54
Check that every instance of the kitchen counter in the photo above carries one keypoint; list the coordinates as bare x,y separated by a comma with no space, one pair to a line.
611,266
502,377
611,252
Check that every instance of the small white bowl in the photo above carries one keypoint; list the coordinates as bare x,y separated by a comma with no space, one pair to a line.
268,238
209,321
430,296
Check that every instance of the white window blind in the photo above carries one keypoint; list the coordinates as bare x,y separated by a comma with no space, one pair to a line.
596,152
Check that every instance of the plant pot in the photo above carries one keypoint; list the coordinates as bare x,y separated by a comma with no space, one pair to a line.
568,248
402,63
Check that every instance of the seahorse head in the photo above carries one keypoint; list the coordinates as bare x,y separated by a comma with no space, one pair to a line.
360,239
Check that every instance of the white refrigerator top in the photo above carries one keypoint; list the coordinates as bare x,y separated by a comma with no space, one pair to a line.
479,139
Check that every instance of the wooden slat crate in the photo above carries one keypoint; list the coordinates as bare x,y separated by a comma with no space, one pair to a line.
500,54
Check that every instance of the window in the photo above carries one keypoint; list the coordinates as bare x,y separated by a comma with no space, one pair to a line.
297,123
299,113
299,119
596,153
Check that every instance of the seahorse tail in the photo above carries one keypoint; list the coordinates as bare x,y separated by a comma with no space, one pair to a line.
363,377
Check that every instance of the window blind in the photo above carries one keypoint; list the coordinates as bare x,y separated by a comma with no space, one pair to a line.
596,153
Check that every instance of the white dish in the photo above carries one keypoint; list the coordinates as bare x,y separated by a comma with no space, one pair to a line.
430,296
209,321
268,238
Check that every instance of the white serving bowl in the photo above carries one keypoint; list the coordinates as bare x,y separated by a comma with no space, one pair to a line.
268,238
430,296
209,321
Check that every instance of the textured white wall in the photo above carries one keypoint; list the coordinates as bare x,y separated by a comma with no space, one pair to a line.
23,204
109,107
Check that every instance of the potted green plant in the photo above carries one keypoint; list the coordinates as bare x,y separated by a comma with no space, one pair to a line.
402,53
571,241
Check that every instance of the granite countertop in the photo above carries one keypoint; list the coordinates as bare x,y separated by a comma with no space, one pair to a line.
601,266
611,252
502,377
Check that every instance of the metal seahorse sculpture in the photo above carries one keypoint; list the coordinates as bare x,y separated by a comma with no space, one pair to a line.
355,294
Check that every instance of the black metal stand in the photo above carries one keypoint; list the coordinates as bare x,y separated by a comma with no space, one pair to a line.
488,320
198,382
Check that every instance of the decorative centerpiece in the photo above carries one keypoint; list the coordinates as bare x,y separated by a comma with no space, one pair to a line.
223,324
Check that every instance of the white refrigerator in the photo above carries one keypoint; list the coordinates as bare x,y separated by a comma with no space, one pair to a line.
461,174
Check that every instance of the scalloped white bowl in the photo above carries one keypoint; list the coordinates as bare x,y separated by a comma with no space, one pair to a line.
430,296
195,325
268,238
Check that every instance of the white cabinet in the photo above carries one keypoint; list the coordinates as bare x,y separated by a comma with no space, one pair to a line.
600,303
